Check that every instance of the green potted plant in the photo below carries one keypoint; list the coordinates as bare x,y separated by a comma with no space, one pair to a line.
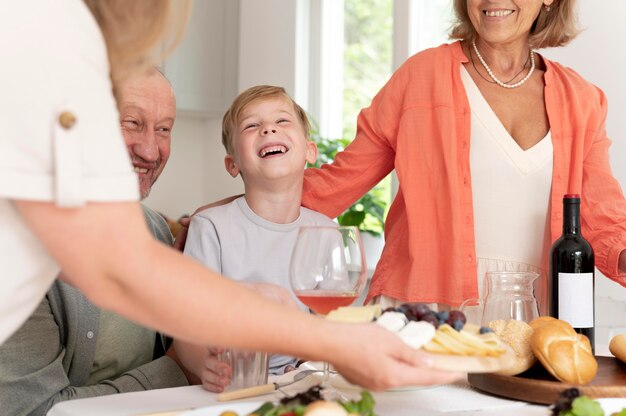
368,213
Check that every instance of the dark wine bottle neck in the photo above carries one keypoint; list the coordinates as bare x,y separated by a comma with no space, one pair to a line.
571,217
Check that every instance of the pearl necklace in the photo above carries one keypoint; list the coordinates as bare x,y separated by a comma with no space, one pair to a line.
496,80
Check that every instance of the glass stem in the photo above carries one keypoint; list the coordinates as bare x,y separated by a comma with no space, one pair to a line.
326,376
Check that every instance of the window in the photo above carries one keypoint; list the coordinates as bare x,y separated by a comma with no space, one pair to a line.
354,45
367,57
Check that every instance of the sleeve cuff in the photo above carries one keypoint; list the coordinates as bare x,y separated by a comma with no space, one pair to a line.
116,188
161,373
613,264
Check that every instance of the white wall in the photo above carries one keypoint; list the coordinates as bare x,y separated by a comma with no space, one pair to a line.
267,47
195,173
598,55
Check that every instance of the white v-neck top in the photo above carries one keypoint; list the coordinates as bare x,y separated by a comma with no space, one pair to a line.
510,191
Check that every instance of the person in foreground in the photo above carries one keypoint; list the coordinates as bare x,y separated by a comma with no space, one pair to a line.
69,348
68,200
486,136
266,136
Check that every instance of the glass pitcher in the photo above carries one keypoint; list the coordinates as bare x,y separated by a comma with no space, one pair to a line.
508,295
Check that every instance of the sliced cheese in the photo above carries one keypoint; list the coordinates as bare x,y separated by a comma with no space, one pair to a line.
355,314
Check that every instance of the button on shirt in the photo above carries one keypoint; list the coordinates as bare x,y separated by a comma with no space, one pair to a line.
61,140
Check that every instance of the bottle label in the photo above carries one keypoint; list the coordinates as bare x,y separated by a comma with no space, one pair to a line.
576,299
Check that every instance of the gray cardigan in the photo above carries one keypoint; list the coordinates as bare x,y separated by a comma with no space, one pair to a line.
49,359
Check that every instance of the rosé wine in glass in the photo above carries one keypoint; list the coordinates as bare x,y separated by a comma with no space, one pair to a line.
328,270
323,302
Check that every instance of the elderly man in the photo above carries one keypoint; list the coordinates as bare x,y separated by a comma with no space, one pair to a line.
69,348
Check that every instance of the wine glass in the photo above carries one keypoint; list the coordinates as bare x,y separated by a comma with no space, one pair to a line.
328,270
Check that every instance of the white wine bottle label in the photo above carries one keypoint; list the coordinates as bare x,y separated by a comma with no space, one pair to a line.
576,299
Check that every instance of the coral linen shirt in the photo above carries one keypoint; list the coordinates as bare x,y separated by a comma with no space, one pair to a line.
419,124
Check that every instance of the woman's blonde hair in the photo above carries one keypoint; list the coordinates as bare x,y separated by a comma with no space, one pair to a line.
260,92
554,27
138,33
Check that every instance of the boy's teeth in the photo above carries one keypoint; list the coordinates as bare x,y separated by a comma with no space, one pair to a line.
498,13
140,170
281,149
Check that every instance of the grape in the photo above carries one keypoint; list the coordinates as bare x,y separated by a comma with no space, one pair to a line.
307,397
458,325
454,315
443,316
565,401
484,330
415,311
431,318
419,310
570,394
562,405
403,308
410,316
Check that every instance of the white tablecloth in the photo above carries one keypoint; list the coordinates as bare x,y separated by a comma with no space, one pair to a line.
457,399
452,400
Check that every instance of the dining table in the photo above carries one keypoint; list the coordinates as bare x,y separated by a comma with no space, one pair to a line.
454,399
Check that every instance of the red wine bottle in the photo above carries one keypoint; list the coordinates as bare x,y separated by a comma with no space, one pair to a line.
572,273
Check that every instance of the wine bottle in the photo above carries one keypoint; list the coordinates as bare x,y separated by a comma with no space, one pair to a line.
572,273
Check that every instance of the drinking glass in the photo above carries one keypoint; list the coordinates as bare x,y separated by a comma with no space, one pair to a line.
249,368
328,270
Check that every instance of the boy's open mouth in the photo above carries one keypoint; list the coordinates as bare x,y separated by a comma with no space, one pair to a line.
273,150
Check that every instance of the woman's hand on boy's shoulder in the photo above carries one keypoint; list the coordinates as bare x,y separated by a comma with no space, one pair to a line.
181,236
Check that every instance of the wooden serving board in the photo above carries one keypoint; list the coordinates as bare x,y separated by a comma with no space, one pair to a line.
538,386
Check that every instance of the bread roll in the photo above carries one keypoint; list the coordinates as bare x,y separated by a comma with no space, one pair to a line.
564,353
617,346
517,335
537,322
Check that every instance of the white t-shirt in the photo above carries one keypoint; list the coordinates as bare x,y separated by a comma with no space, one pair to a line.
54,60
237,243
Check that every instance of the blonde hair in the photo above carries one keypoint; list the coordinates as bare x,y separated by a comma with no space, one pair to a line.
260,92
556,27
139,34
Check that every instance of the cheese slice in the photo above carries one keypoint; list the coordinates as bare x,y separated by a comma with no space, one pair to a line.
355,314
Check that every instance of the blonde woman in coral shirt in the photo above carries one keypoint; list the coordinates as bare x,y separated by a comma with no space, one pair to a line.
486,136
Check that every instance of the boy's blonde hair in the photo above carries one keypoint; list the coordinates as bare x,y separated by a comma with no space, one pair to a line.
555,26
260,92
